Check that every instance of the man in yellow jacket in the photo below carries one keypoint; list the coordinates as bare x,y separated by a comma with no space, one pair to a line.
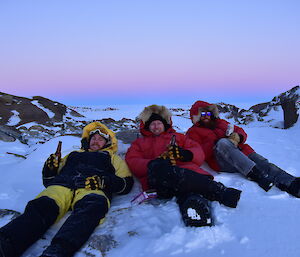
84,182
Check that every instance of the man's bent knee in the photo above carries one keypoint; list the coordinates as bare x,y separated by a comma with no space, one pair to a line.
94,204
44,207
223,144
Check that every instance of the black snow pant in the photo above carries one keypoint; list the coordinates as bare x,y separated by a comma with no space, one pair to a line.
23,231
169,181
279,177
78,227
40,214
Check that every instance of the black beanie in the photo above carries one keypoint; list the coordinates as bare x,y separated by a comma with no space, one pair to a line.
153,117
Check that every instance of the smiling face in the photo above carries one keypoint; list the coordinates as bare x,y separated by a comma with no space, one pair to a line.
97,142
156,127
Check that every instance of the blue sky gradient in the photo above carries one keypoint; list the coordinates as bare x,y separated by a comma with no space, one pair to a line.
149,51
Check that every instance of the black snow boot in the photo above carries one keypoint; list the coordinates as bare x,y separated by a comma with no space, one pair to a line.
294,188
261,178
195,210
224,195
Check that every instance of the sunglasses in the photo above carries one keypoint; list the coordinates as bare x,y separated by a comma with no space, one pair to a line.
203,114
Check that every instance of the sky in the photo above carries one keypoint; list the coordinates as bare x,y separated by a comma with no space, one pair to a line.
123,52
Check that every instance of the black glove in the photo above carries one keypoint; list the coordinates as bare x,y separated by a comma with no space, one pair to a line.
116,183
164,177
51,166
179,153
158,164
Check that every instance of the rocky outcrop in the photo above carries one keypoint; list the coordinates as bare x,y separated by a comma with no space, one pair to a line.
16,110
6,212
290,112
287,101
290,104
11,134
39,119
36,118
128,136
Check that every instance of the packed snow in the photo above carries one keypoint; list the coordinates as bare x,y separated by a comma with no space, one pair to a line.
14,119
263,224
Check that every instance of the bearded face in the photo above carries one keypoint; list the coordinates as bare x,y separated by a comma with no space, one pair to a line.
207,122
97,142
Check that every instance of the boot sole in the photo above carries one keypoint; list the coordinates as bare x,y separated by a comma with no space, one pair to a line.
196,214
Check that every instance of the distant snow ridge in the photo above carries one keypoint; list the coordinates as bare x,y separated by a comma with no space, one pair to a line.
40,119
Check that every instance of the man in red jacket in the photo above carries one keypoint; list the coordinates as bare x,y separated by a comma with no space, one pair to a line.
169,162
225,150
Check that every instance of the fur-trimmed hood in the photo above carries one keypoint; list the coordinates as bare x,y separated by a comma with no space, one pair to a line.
201,106
161,110
112,140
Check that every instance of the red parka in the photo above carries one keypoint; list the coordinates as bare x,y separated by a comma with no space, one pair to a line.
150,147
207,138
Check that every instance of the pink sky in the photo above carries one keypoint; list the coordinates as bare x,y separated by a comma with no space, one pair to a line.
150,49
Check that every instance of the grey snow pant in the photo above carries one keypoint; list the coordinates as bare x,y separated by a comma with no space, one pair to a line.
231,159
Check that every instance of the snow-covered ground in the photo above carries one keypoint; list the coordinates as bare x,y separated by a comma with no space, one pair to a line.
263,224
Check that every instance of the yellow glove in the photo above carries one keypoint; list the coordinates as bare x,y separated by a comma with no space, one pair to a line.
93,183
174,151
98,182
168,155
164,155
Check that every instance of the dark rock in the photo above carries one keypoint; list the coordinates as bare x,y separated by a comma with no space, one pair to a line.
32,110
102,243
6,138
110,109
58,109
290,113
232,112
107,121
6,212
259,107
128,136
47,114
10,134
289,102
17,155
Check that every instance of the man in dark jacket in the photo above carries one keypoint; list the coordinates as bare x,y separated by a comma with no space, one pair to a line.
84,182
169,162
225,150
